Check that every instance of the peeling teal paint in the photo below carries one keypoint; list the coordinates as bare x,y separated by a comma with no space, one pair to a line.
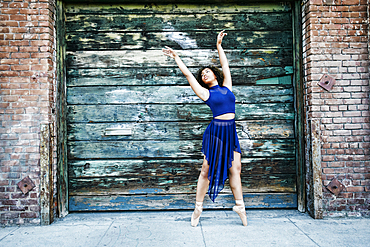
146,191
172,201
282,80
289,69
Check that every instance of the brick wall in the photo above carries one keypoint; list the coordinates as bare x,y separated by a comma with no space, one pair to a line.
27,77
335,42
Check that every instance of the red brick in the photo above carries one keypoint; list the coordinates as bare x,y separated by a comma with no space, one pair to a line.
40,43
19,43
8,202
4,67
355,189
352,126
10,11
18,17
18,5
362,8
328,158
29,215
41,6
352,114
11,98
39,67
20,55
20,67
29,11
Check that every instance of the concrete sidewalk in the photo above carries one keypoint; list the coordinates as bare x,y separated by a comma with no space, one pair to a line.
172,228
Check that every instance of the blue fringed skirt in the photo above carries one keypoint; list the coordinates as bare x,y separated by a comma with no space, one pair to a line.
220,140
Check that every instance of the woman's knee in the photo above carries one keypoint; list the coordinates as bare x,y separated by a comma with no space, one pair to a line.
204,171
236,167
203,174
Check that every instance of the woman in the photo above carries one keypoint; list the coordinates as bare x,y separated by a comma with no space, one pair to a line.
221,147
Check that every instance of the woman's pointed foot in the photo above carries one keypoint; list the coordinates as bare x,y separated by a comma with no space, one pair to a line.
240,210
196,215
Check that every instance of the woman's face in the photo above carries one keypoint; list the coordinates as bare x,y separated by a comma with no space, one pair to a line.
208,77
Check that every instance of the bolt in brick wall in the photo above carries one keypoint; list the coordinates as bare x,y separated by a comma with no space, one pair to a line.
335,42
27,82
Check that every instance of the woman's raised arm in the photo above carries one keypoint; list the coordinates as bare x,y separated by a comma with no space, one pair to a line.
200,91
223,61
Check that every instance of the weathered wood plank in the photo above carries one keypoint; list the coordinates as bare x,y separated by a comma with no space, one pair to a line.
138,168
46,174
173,113
179,22
178,201
177,130
171,94
155,58
177,40
61,109
164,76
171,149
299,105
130,8
175,184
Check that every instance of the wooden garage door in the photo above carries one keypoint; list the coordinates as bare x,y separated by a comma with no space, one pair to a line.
135,126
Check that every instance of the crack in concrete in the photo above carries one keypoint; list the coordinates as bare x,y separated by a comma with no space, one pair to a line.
201,230
303,231
10,233
105,233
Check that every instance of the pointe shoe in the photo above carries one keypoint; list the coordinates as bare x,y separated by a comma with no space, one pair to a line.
197,211
240,210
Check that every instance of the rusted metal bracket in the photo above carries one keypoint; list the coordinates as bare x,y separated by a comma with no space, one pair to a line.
46,174
335,186
26,185
316,169
326,82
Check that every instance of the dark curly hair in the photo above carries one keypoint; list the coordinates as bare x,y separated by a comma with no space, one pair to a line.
218,73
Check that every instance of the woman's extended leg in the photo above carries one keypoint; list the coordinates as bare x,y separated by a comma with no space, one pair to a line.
203,182
234,177
236,187
202,187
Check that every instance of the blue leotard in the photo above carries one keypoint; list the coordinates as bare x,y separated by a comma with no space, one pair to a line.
221,100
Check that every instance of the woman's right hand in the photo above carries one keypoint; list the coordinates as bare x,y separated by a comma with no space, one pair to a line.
169,52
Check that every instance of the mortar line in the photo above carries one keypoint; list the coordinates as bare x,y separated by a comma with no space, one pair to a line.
303,231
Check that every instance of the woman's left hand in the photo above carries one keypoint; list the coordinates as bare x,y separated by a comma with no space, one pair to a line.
220,36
